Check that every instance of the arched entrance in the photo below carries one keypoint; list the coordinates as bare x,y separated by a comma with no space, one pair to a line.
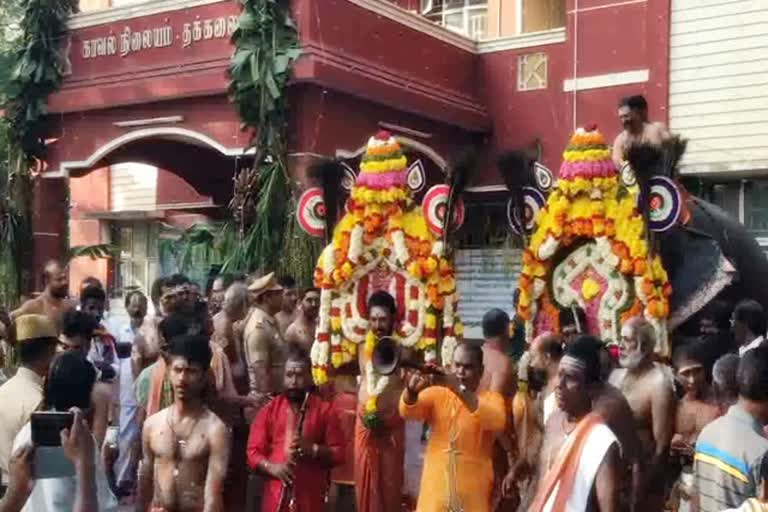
138,192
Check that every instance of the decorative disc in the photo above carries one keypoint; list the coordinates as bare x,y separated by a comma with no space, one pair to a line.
415,177
627,174
349,178
664,203
533,202
434,206
544,177
311,212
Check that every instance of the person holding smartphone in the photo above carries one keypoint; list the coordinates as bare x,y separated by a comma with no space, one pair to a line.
78,446
57,482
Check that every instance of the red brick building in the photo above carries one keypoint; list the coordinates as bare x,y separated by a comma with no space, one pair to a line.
148,85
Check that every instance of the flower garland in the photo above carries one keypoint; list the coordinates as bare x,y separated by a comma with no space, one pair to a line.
375,384
589,203
383,230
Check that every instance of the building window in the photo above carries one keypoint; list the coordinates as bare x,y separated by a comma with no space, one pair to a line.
532,72
755,208
541,15
467,17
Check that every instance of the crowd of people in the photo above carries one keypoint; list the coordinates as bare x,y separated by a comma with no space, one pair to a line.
209,404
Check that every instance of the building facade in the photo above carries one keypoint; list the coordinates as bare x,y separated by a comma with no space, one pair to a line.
145,112
719,102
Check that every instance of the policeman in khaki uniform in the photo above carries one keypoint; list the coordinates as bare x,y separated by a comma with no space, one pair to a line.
264,357
263,344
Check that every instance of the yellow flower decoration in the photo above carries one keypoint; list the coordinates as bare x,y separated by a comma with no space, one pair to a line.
589,288
381,166
370,405
370,344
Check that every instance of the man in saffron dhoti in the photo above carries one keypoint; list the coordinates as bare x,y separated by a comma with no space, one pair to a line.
458,462
585,474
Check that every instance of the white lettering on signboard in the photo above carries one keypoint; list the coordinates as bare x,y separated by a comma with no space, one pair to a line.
129,42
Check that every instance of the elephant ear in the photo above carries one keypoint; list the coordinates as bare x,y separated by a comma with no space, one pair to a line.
328,174
516,169
649,160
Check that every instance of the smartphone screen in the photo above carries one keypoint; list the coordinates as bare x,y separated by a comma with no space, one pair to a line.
47,425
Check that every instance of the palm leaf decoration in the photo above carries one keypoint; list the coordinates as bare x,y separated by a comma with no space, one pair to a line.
266,43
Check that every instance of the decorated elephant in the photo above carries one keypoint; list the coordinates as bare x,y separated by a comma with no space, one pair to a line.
623,242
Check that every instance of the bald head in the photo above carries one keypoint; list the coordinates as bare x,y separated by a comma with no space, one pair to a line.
56,279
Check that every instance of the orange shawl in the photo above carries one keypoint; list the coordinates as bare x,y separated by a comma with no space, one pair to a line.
156,387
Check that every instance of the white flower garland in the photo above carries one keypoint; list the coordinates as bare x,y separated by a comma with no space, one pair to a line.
356,243
548,247
446,352
400,248
375,384
328,260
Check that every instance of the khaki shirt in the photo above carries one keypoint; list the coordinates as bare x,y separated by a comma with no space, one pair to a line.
264,353
19,397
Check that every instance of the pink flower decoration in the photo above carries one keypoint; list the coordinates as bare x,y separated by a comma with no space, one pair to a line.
381,181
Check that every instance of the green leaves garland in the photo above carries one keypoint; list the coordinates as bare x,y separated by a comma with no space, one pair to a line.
36,73
266,44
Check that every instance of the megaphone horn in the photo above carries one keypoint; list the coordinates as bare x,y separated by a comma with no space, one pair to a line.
386,356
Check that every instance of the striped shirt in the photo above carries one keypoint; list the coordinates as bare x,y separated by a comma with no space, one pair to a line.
729,452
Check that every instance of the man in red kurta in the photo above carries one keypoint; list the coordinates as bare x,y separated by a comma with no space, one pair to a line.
293,452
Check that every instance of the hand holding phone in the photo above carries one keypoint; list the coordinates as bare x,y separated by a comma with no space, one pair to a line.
77,442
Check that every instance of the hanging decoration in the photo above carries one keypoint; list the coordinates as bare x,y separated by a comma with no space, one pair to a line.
311,212
523,220
383,242
589,247
435,208
664,204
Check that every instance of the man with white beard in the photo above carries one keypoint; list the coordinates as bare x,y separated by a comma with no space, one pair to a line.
650,393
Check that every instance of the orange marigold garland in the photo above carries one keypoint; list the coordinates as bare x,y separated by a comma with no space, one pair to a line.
589,203
383,229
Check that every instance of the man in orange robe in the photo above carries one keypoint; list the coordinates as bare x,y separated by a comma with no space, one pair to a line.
458,467
380,448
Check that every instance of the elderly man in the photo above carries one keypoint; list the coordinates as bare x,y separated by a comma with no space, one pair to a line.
586,470
23,393
53,302
650,392
724,382
234,309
